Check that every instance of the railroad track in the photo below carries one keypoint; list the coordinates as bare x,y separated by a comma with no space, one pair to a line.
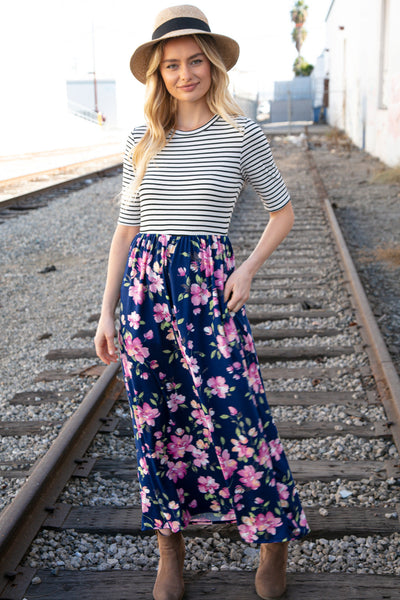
20,195
321,353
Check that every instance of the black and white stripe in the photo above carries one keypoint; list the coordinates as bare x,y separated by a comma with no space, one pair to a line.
192,185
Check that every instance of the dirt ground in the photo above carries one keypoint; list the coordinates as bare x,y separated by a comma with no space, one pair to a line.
369,214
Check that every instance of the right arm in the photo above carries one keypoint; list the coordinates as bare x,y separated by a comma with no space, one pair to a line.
104,339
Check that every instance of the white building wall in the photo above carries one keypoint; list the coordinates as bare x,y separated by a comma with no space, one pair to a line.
364,72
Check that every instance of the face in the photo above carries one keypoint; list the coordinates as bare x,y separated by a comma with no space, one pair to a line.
185,70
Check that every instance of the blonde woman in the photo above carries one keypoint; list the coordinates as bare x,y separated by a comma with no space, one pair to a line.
207,447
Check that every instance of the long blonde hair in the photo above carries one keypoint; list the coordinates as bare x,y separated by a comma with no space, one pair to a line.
160,108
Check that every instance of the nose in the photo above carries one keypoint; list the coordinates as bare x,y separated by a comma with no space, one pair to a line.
185,72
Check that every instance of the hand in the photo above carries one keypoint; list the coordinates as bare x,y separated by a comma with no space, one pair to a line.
237,288
104,340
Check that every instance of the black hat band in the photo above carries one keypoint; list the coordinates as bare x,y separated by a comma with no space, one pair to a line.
180,23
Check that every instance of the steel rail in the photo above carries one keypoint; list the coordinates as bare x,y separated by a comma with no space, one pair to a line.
383,369
16,200
21,520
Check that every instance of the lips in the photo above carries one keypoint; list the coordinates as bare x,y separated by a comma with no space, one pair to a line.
188,88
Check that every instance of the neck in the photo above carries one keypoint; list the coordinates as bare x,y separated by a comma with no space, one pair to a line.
192,116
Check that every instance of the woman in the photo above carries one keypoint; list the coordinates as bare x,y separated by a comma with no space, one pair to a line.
207,448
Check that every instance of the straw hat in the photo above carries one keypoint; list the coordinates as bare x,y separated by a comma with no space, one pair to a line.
175,22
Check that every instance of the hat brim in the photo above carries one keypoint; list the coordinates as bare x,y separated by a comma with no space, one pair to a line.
227,48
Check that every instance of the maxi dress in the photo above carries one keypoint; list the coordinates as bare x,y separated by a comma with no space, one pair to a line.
207,447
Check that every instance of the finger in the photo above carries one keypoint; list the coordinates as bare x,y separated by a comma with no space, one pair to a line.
112,350
236,302
228,289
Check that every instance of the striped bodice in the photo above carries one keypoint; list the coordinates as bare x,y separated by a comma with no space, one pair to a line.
192,185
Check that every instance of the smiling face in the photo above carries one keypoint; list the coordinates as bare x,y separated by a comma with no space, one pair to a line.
185,70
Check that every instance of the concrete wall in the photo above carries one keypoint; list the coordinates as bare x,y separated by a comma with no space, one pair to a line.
364,72
292,100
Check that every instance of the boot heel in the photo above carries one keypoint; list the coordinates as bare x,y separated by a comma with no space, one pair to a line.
169,583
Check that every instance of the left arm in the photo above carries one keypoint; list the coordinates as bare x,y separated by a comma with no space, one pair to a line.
237,287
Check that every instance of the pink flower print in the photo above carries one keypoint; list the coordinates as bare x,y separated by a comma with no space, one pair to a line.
174,401
181,495
219,247
149,335
241,448
143,466
264,456
233,411
158,449
254,377
208,330
146,414
276,448
249,346
156,283
173,505
143,261
231,331
191,363
223,346
215,506
268,522
230,263
200,293
249,477
175,526
230,516
201,418
144,499
200,457
135,348
224,492
248,531
283,490
206,261
218,386
228,464
176,470
182,271
303,520
134,320
161,312
126,365
179,445
193,504
136,291
207,485
220,278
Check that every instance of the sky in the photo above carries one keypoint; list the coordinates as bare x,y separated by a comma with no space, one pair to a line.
46,42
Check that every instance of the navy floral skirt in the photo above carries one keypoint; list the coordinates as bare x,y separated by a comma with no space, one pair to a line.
207,447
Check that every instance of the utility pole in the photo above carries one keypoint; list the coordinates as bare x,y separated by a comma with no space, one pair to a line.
96,108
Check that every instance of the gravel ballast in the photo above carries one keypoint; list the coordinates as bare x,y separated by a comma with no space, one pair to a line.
73,233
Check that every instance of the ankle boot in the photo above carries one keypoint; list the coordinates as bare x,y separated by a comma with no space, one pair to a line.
271,573
169,583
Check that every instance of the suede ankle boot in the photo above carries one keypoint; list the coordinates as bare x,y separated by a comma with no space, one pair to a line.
271,573
169,583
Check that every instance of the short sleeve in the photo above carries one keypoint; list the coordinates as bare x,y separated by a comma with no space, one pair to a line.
259,169
129,212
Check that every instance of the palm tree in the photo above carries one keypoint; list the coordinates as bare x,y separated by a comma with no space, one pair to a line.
299,12
298,15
